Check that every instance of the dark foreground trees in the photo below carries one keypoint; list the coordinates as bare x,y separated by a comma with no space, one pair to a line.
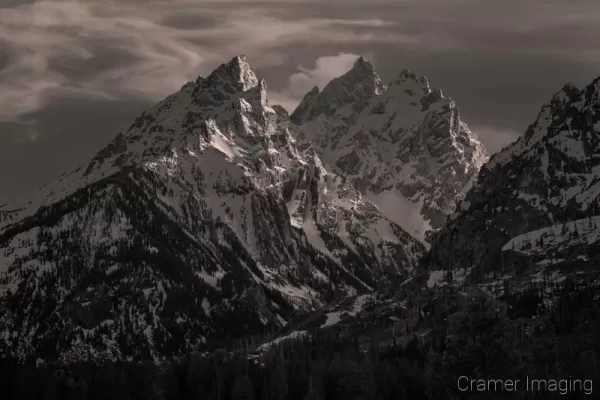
472,337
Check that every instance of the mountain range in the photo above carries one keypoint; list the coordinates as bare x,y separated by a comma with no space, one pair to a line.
218,215
215,215
527,232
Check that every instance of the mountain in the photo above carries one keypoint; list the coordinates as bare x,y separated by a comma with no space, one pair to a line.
402,145
527,234
211,217
514,280
513,286
536,205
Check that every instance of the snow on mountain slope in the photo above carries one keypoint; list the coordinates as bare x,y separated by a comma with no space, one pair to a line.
402,145
404,212
263,348
572,233
207,219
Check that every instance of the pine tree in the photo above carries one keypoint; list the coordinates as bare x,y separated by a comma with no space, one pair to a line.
278,386
171,383
199,393
481,341
242,389
49,384
26,383
192,379
311,393
355,383
103,385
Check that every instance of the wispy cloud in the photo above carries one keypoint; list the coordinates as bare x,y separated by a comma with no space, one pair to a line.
74,72
147,49
124,49
47,36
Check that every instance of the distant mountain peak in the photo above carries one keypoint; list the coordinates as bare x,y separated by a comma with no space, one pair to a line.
362,72
567,87
566,94
237,71
362,64
569,109
407,74
352,89
403,146
411,82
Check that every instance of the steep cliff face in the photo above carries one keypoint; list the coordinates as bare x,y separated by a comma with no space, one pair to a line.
537,199
402,145
209,218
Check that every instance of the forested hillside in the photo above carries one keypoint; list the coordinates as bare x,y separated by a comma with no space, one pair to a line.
471,334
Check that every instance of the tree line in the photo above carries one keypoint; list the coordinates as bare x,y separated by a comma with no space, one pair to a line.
478,338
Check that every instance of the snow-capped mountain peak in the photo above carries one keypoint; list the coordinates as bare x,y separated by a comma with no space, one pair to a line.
562,124
361,64
403,145
406,75
344,97
210,199
236,71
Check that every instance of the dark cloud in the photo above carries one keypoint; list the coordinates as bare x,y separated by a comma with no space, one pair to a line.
72,73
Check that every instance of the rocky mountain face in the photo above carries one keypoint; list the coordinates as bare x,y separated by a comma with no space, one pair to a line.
210,217
524,246
536,205
528,231
402,145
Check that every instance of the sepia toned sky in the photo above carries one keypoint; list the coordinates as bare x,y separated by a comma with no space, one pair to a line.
74,73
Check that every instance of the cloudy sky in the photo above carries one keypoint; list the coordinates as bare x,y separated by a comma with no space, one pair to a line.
74,73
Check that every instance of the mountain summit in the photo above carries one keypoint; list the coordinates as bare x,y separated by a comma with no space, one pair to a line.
402,145
236,73
210,217
350,91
